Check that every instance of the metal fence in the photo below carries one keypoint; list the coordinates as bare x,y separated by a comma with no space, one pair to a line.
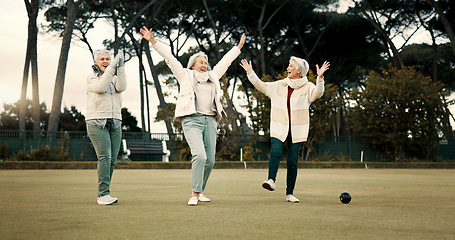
353,148
357,148
80,147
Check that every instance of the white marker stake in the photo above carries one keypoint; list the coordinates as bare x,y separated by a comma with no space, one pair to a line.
241,157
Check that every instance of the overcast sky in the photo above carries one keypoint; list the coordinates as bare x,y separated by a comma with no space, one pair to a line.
13,42
13,39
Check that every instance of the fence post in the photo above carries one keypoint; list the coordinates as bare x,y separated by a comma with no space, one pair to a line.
349,148
23,136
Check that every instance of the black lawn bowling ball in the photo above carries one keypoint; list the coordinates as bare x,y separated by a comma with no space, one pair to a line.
345,198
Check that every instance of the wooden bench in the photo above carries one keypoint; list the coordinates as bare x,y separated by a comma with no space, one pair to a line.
146,148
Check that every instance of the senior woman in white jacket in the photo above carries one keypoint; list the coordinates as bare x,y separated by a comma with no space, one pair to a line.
289,116
198,107
104,118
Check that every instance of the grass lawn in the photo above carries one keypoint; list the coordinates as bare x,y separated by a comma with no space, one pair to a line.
386,204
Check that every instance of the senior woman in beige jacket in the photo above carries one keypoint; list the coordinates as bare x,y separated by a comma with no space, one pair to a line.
289,116
104,118
198,107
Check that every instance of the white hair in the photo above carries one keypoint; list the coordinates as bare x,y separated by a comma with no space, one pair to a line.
301,64
98,52
193,58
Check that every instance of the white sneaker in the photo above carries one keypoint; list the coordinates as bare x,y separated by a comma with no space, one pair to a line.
292,199
193,201
106,200
203,198
269,185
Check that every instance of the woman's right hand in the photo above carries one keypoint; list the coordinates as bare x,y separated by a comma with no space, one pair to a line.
147,34
246,65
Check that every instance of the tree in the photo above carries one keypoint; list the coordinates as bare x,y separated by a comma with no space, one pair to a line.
31,58
444,20
72,8
390,18
423,57
72,120
129,122
399,108
88,13
323,115
9,118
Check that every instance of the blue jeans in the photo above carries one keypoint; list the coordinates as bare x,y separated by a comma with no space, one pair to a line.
106,142
276,152
200,134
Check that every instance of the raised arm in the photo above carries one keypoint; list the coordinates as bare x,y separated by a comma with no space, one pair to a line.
222,66
120,85
319,90
172,62
100,85
254,79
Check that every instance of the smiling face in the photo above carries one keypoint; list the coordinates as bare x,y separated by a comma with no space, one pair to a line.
201,64
103,61
293,72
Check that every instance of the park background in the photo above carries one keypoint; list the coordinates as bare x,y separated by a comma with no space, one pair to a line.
388,91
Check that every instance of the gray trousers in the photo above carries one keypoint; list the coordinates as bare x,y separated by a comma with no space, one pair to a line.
200,133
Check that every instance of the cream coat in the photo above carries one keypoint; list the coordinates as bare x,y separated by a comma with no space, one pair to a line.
300,102
103,94
186,99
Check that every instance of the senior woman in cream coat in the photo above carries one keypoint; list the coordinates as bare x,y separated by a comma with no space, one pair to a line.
104,118
198,107
289,116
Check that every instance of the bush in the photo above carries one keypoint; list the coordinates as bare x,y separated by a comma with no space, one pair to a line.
4,151
248,153
342,158
44,153
22,156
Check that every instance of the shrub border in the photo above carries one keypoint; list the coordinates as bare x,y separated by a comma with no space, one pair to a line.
19,165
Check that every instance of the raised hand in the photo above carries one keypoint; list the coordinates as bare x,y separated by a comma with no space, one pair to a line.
117,60
147,34
247,66
121,61
242,41
325,67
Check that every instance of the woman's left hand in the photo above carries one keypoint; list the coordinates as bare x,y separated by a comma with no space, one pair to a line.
242,41
320,71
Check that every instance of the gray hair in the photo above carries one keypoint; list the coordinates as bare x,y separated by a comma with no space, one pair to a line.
98,52
193,58
301,64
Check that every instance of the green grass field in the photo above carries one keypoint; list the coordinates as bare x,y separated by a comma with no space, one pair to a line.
386,204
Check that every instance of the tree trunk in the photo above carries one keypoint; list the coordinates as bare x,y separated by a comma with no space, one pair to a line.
147,99
159,92
31,59
54,116
395,58
260,29
445,23
141,87
114,20
215,30
22,103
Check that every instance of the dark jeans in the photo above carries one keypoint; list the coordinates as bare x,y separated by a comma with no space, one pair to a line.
276,152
